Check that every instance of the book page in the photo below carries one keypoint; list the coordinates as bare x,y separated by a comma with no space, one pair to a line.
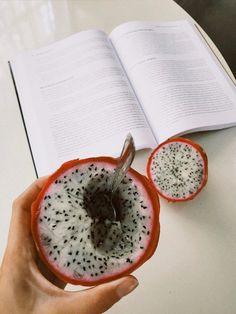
176,77
76,101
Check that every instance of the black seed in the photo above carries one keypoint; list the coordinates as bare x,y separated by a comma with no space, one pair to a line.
55,246
68,264
65,241
50,253
84,268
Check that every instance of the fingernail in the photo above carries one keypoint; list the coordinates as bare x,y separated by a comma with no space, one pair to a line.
126,286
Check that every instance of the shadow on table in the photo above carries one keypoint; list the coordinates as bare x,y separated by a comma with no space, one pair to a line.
218,19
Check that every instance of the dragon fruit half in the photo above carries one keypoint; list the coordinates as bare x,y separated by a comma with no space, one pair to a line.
73,232
178,169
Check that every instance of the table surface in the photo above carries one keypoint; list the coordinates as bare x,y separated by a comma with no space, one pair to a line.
193,270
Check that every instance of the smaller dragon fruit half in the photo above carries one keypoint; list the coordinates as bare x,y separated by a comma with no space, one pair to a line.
178,169
72,230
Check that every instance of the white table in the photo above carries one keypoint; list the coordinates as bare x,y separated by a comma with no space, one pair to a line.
194,268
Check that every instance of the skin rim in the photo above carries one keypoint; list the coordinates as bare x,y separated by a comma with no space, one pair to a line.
154,234
205,169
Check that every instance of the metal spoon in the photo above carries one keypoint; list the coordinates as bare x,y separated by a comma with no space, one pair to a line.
104,206
125,160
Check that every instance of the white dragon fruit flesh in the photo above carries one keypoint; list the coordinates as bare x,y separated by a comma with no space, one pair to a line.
74,233
178,169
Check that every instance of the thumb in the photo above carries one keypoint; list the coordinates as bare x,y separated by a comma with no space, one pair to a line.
99,299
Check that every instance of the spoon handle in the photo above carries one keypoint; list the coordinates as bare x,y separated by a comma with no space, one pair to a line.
125,161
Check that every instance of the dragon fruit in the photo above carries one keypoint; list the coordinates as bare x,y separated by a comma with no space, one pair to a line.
178,169
71,226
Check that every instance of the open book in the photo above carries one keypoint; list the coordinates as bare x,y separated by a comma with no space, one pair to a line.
80,96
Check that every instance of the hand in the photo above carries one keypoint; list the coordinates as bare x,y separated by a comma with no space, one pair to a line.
27,286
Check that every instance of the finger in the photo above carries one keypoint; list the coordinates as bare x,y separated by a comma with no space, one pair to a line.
99,299
25,199
49,275
20,222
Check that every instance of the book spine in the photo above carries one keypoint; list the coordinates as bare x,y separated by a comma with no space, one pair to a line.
22,116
